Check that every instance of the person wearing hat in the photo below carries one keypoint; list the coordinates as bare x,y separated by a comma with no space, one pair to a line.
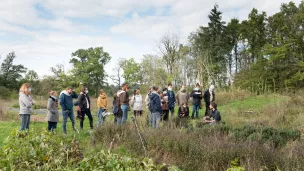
66,102
209,96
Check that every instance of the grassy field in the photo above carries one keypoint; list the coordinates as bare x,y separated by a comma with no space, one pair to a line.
256,127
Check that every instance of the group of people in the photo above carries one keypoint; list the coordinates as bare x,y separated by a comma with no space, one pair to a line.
160,102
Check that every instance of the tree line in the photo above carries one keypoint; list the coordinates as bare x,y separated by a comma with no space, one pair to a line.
261,54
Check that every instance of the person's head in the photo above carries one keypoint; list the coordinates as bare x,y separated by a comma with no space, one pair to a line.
213,106
184,104
154,88
85,90
101,91
183,87
70,89
53,93
124,86
197,85
136,91
211,88
170,87
26,88
165,90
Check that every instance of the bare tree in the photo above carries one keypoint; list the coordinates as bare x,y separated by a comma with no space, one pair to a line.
117,77
168,47
58,69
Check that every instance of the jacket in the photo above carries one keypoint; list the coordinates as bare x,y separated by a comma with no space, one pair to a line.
137,102
155,103
165,101
171,99
66,100
124,98
207,97
25,103
116,104
197,97
147,100
182,97
102,101
52,114
84,102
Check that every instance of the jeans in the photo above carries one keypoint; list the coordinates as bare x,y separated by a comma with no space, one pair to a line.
65,116
195,109
125,109
118,120
171,109
155,119
88,113
52,126
25,121
100,117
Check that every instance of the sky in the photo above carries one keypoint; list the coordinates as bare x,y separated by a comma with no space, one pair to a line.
44,33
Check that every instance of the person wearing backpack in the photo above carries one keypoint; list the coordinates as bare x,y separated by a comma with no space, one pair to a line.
165,104
84,104
102,104
117,109
155,107
137,103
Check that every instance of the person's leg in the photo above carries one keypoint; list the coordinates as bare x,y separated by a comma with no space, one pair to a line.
64,121
124,109
153,120
197,111
166,115
54,126
72,118
22,122
172,112
150,118
118,121
207,109
28,122
157,119
135,112
83,113
193,111
89,114
49,126
100,117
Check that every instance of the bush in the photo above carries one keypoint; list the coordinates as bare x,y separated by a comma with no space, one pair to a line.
5,93
45,151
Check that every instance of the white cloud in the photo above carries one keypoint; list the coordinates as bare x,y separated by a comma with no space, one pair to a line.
52,41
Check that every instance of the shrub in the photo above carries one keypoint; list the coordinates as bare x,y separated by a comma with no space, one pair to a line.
5,93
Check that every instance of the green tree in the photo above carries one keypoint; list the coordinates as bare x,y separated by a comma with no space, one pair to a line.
132,71
11,74
88,67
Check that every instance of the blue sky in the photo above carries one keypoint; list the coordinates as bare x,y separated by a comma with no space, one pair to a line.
44,33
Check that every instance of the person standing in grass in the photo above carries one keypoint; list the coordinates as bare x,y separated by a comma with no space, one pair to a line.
25,102
52,115
215,115
155,107
117,108
197,97
171,96
137,103
66,102
209,96
124,102
182,96
147,101
84,104
165,105
102,104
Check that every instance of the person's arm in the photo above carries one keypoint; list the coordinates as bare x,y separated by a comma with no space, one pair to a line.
74,95
79,101
106,102
62,104
192,93
205,96
174,96
26,101
132,101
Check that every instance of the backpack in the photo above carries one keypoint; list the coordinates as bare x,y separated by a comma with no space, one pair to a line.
115,109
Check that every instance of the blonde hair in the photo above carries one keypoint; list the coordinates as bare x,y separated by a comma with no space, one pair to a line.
52,93
101,91
25,88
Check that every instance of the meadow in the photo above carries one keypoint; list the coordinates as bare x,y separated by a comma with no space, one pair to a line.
258,133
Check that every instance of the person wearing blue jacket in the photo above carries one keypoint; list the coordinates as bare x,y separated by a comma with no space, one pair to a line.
155,107
171,97
66,103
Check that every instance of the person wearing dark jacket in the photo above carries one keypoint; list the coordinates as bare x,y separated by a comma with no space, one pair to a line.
215,115
66,103
209,96
124,102
183,111
155,107
84,104
171,96
197,97
165,104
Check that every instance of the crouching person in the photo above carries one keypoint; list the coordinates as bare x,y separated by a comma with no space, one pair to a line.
215,115
183,111
155,107
52,115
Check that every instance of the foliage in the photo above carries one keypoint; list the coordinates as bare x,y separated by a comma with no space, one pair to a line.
43,150
132,71
88,67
